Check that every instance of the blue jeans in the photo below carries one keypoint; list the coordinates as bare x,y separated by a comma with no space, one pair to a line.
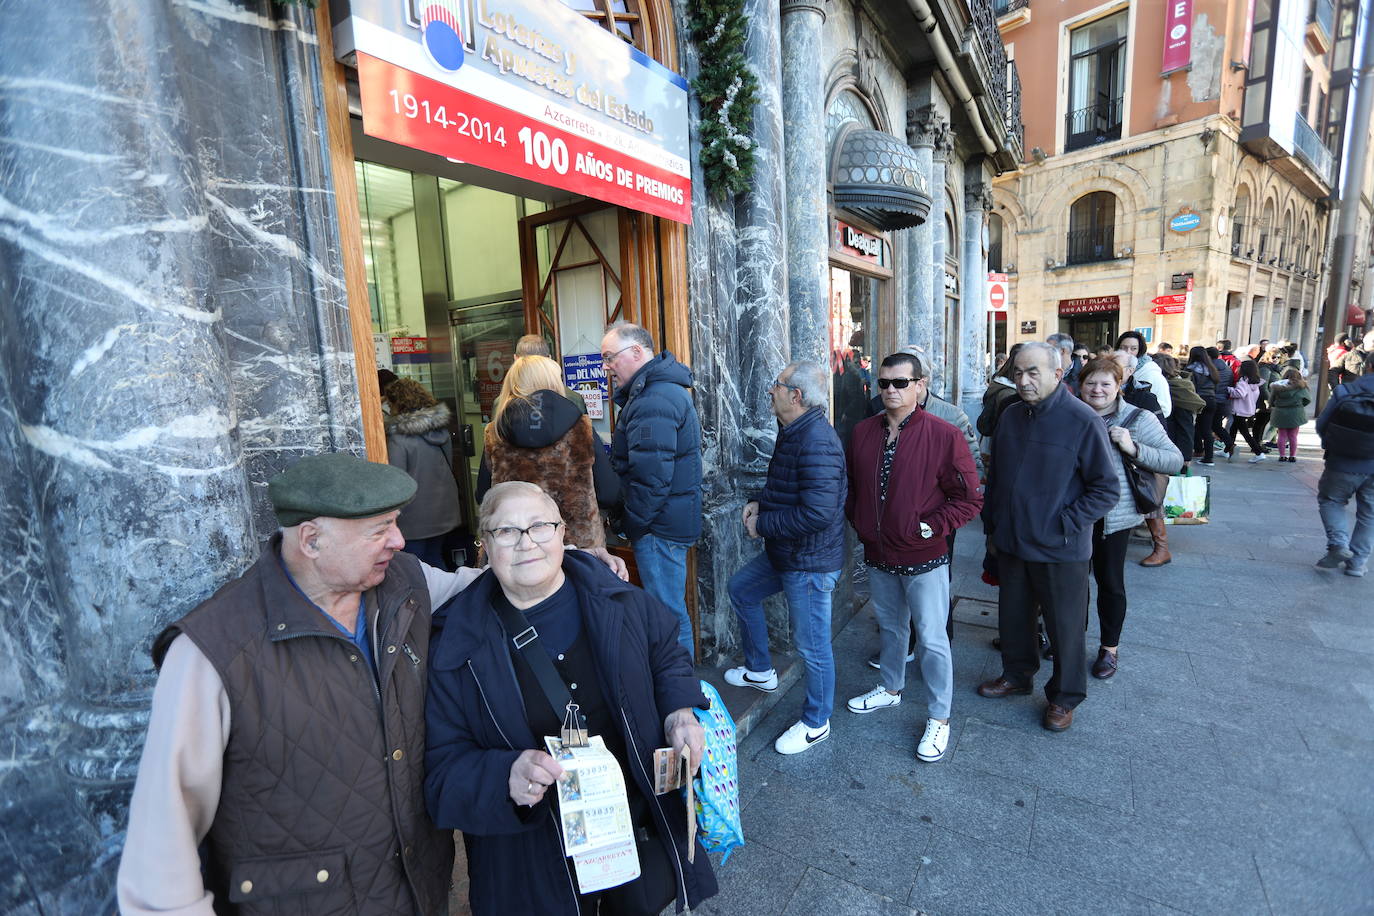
808,602
663,570
1333,492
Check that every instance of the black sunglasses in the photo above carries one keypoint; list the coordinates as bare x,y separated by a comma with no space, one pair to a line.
896,382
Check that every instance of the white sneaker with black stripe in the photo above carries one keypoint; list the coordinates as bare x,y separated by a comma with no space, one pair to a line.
933,743
767,681
801,737
875,699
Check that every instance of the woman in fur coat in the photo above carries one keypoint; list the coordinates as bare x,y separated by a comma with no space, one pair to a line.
418,442
539,436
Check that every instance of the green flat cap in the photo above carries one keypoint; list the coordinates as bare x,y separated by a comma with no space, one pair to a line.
338,485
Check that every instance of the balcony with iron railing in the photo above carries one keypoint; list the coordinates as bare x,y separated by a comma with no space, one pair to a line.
1311,150
1099,122
1001,8
1088,246
985,37
1016,131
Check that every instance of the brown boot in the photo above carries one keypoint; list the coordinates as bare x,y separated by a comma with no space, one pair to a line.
1160,535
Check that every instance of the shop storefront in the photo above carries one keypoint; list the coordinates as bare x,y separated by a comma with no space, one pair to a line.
550,213
1090,320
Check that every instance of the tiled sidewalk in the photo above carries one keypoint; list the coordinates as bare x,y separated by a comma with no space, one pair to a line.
1227,768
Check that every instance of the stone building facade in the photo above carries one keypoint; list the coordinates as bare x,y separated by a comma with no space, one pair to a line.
1161,178
198,243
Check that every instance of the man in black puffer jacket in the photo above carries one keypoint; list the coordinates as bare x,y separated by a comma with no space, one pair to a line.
800,516
656,450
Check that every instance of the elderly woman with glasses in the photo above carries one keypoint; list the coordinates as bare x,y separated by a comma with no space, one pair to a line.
613,650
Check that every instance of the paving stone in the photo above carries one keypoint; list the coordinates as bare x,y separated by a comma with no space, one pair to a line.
960,875
1057,762
755,879
821,892
1187,870
1293,888
860,842
1205,801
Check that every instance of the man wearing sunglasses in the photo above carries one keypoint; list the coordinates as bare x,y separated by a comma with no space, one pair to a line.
912,482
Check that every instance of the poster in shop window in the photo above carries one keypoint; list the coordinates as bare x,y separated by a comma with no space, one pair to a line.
530,88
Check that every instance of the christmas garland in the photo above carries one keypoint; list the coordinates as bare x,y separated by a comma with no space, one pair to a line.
728,91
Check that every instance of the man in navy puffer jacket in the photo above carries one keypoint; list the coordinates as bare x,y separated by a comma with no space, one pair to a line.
656,450
800,516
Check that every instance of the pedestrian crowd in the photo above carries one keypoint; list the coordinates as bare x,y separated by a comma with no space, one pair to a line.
324,722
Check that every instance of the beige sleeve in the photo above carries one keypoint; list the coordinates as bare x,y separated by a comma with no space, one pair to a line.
444,585
177,790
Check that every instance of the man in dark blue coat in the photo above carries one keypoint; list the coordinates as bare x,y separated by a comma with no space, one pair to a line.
1052,478
656,450
800,516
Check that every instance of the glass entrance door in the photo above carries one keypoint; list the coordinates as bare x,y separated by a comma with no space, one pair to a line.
572,283
484,339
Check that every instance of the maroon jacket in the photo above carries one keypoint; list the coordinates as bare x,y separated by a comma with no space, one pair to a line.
933,480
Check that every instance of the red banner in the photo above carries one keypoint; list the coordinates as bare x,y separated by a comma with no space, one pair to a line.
1178,34
414,111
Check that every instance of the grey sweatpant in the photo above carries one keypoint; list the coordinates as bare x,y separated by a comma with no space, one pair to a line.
900,601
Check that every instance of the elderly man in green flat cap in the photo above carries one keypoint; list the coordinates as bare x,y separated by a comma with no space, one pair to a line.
284,758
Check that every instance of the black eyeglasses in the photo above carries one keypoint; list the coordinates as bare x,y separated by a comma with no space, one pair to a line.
896,382
779,383
509,535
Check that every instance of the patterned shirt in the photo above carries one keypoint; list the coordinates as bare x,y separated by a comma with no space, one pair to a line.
884,473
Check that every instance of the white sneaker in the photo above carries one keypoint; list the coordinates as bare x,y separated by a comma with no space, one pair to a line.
875,661
767,681
1258,458
934,741
875,699
800,737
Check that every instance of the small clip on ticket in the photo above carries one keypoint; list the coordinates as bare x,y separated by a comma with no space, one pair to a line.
574,731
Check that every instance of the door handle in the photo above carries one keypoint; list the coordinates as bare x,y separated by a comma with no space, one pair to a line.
469,445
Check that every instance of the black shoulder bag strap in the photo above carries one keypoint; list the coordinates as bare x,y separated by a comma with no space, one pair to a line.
525,638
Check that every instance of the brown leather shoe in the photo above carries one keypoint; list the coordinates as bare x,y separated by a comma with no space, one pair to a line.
1105,666
1000,687
1057,718
1160,535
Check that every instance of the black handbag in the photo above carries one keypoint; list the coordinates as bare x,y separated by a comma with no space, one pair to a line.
1141,480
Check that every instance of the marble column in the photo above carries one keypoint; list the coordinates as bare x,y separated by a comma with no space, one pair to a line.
972,372
939,203
173,331
803,107
738,302
926,131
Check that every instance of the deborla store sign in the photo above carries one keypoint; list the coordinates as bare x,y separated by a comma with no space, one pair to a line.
526,87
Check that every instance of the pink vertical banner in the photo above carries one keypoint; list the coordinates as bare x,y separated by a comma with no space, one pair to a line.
1178,34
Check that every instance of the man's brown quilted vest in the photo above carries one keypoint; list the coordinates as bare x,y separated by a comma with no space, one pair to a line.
322,805
563,469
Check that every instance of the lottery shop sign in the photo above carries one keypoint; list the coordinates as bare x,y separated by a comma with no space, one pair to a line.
529,88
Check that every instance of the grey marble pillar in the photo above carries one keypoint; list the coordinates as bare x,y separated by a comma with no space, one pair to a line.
173,331
738,303
803,106
939,203
973,265
917,321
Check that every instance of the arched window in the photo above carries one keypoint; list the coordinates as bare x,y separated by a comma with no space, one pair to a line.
619,16
1266,231
1302,247
847,106
1240,215
995,229
1092,228
1286,240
